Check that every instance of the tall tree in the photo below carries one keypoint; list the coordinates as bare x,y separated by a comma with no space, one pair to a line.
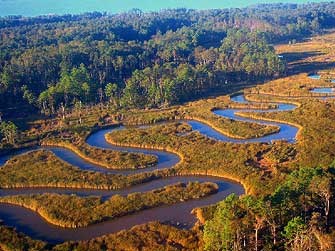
9,131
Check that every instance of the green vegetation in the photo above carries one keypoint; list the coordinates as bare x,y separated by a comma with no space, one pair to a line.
144,60
9,131
170,83
73,211
295,216
148,73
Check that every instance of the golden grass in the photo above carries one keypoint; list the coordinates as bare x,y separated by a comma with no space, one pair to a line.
71,211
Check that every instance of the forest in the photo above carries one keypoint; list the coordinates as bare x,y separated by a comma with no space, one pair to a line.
135,59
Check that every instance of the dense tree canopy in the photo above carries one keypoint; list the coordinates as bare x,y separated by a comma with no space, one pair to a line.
154,59
296,215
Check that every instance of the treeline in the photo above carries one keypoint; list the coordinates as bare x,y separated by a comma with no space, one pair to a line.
298,215
171,70
241,56
167,57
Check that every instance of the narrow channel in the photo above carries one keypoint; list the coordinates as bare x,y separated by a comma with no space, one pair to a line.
32,224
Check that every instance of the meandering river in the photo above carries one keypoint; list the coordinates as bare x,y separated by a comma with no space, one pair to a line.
32,224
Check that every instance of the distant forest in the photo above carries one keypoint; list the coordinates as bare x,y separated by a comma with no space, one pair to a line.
145,60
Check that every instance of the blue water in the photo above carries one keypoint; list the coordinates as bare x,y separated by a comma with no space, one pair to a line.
318,77
44,7
324,90
315,77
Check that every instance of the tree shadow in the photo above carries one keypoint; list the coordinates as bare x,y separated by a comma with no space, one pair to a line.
298,62
309,67
291,57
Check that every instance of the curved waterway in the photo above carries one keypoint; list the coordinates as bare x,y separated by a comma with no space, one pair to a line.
324,90
32,224
286,132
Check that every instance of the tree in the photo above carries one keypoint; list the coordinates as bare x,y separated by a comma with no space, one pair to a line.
86,91
28,95
256,208
296,233
9,131
272,219
78,108
111,92
47,100
322,187
226,230
298,183
5,80
317,227
134,94
170,91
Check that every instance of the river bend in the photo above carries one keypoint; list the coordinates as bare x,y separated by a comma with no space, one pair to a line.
32,224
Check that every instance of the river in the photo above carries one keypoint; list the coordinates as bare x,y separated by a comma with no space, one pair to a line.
30,223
